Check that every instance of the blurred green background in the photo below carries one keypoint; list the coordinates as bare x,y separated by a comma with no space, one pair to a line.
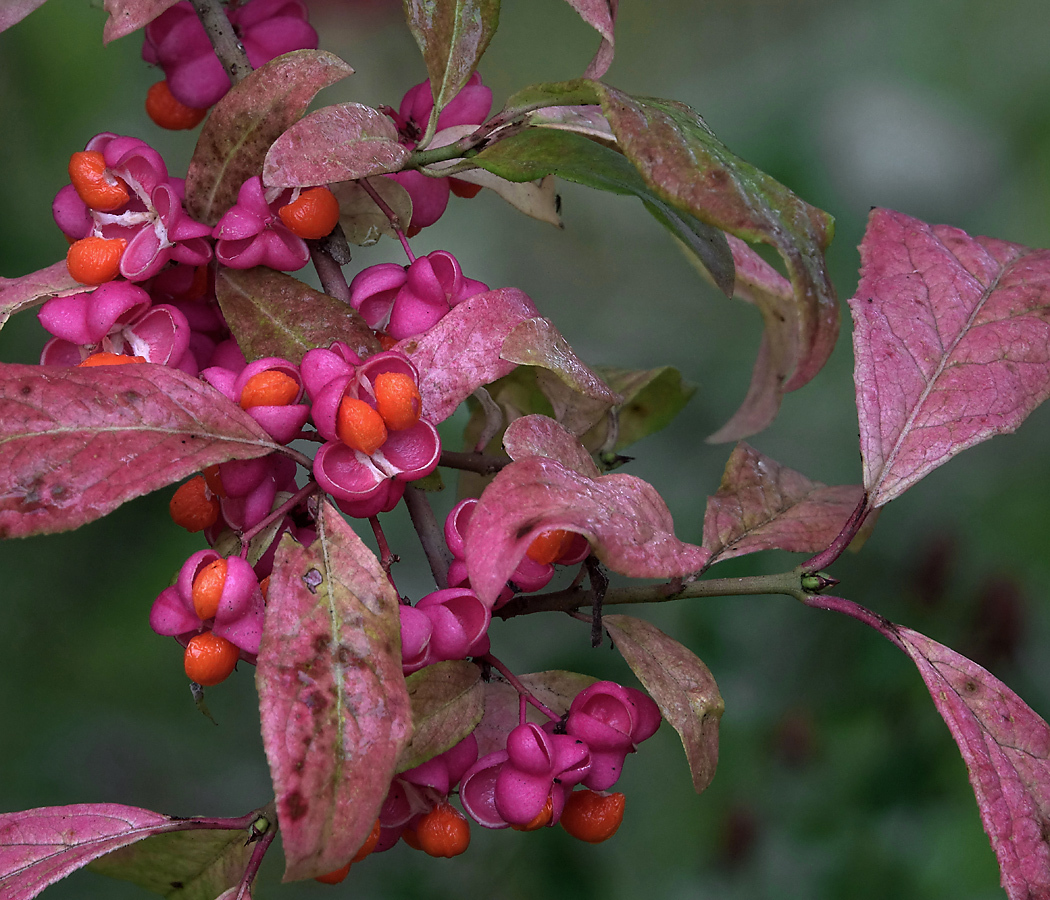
837,778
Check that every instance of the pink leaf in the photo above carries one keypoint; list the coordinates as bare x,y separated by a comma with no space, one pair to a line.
126,16
77,443
624,518
540,436
14,11
577,394
452,36
337,143
33,289
762,505
601,16
951,338
335,711
42,846
1006,748
462,352
244,123
448,700
682,686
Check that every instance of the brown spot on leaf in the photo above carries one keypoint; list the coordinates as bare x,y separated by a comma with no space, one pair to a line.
296,806
343,655
320,644
26,390
316,701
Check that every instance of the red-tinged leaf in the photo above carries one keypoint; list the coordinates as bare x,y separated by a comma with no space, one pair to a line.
579,397
362,220
542,436
337,143
686,165
601,16
462,352
1006,748
452,35
184,865
334,708
762,505
627,523
126,16
448,700
682,686
950,340
77,443
41,846
273,314
555,689
14,11
33,289
244,123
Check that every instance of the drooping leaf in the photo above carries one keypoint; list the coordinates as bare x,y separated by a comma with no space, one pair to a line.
362,220
651,400
579,397
462,351
33,289
244,123
780,351
336,143
950,339
542,436
184,865
601,16
682,686
762,505
448,700
538,200
334,708
41,846
452,35
14,11
273,314
627,523
555,689
76,443
1006,748
126,16
536,152
690,169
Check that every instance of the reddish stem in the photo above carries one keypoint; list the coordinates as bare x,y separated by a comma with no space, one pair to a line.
386,558
523,692
395,221
282,510
849,531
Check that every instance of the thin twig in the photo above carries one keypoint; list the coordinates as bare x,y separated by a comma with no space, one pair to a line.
330,273
228,46
523,691
395,221
482,463
430,534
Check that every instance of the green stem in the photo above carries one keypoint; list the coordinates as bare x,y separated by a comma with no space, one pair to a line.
457,149
789,583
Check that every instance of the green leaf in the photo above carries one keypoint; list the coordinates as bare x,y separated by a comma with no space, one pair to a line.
244,123
448,700
452,35
651,399
184,865
535,152
273,314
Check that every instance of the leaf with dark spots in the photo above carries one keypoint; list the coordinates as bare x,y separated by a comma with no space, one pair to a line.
244,123
125,16
536,152
185,865
337,143
578,395
682,686
41,846
542,436
448,700
950,340
452,35
273,314
76,443
555,689
334,708
17,294
762,505
691,170
462,351
627,523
